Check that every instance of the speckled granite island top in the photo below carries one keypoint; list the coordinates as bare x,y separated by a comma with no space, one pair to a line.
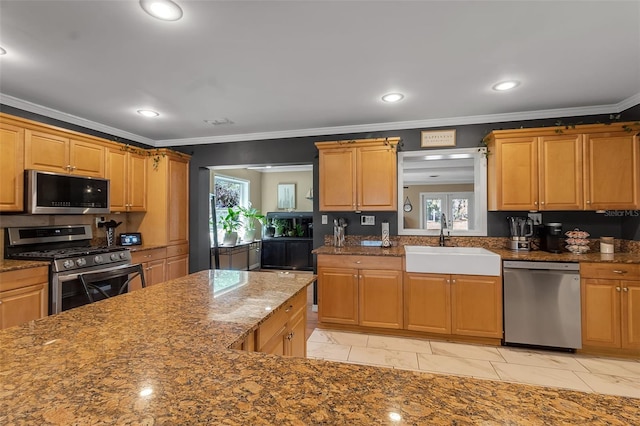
159,357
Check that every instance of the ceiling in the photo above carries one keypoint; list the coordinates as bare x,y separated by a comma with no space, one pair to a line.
300,68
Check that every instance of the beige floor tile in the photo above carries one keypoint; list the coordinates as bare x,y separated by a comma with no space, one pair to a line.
397,359
338,337
611,367
458,366
612,385
541,359
460,350
329,351
540,376
399,344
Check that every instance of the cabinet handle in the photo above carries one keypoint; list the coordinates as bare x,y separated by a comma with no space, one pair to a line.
619,271
360,276
289,308
73,168
448,281
542,202
358,262
625,289
0,302
588,202
453,281
355,276
617,288
535,203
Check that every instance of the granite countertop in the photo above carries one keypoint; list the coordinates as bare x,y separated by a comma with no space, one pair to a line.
7,265
361,250
160,356
144,247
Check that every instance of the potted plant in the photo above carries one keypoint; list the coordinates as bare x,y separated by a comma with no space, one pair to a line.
230,222
280,225
250,215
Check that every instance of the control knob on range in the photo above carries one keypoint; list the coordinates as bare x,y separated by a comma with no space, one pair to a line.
98,259
114,256
81,262
68,264
123,254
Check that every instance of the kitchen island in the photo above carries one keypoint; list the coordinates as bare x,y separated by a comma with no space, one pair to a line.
161,356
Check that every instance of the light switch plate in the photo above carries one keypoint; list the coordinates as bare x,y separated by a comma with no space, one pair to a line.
367,220
325,219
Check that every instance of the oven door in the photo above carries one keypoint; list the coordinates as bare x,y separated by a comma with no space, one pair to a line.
67,291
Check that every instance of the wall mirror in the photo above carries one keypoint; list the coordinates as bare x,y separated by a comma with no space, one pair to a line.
442,189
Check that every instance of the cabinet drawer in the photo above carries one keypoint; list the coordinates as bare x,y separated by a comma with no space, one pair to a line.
615,271
177,250
278,320
148,255
360,262
12,280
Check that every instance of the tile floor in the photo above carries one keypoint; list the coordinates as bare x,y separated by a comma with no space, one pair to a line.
544,368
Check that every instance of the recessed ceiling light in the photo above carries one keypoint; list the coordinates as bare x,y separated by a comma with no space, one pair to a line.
148,113
162,9
506,85
392,97
2,51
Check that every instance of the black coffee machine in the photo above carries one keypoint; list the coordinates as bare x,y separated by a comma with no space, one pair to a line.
552,237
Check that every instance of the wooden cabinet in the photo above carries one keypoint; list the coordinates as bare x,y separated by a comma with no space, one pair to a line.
360,290
589,167
128,174
358,175
177,261
59,153
154,265
461,305
612,171
24,296
610,295
283,333
11,168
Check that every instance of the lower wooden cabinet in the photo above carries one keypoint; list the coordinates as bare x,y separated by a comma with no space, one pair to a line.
461,305
363,291
24,296
610,295
154,265
283,333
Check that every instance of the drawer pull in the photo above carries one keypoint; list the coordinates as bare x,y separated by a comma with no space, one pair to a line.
289,308
625,289
619,271
358,262
617,288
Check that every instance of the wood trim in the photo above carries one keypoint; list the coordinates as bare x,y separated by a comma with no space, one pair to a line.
612,128
352,143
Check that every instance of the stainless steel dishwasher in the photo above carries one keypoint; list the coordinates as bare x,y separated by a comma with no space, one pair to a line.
542,304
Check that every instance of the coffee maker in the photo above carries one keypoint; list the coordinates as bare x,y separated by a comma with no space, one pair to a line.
520,233
551,237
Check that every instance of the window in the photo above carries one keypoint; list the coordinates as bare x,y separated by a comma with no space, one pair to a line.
457,207
227,192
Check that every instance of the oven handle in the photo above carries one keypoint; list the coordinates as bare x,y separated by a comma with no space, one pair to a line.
70,276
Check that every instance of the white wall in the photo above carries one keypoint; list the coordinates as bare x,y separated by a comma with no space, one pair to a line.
270,181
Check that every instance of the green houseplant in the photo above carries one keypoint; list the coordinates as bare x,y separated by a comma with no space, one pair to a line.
230,222
250,215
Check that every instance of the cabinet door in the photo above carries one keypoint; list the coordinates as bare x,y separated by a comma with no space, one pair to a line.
516,174
278,344
338,295
137,182
273,254
476,305
11,168
23,304
298,255
337,182
155,272
86,158
380,295
296,339
44,151
179,202
600,312
427,300
116,172
560,172
612,171
630,313
377,178
177,267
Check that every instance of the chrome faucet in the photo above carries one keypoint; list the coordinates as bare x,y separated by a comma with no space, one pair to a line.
443,224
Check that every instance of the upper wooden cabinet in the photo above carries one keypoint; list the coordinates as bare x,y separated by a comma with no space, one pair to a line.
127,172
589,167
60,154
167,219
358,175
11,168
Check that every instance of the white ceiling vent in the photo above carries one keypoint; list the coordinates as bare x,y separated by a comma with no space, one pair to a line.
219,122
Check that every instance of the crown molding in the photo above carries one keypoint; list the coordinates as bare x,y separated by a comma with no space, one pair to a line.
69,118
320,131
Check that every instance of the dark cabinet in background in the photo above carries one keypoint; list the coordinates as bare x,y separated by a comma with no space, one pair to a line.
287,253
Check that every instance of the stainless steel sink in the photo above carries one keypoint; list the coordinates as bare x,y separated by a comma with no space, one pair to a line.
452,260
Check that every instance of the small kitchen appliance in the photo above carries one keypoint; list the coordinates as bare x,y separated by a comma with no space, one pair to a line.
520,233
551,237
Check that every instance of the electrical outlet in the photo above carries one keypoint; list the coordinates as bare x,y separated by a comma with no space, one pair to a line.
98,220
536,218
367,220
325,219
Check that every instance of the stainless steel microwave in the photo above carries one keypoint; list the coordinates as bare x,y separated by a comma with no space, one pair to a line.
55,193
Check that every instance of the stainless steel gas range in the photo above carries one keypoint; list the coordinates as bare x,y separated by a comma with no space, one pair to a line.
68,248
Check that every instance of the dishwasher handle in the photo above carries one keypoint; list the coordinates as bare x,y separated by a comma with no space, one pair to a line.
552,266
